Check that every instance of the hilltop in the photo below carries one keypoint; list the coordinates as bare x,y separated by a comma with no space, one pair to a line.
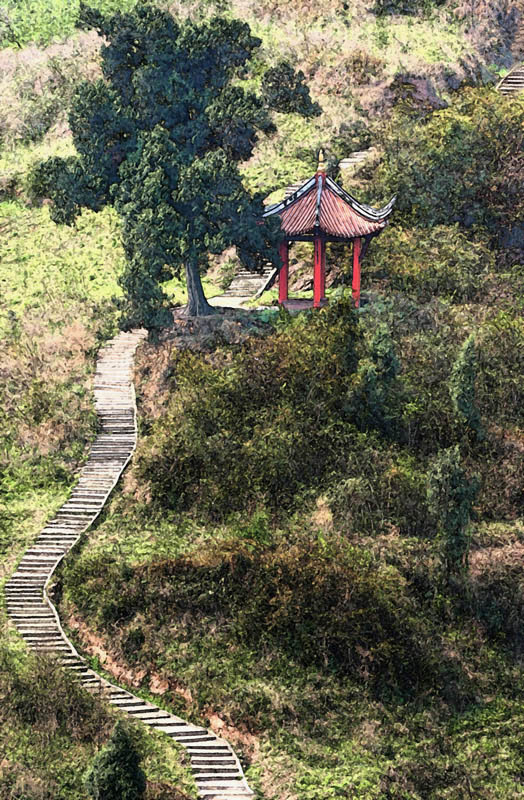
275,564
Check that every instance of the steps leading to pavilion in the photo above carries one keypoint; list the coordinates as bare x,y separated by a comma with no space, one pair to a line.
251,284
215,766
357,159
347,165
513,82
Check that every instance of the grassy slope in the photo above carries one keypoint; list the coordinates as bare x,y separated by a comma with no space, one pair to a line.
366,747
311,730
55,311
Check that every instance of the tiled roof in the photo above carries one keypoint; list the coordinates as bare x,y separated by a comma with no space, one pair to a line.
321,205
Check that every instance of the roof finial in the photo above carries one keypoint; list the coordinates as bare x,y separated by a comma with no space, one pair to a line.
321,161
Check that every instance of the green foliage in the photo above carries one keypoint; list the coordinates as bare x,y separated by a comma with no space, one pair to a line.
462,164
162,144
42,21
462,388
380,492
438,262
295,391
285,91
500,381
322,604
369,403
115,773
383,353
39,694
405,6
450,498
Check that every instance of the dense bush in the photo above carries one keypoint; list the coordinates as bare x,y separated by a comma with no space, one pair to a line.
323,604
38,694
269,421
450,499
441,261
463,164
25,21
463,388
115,773
406,6
379,491
498,593
500,382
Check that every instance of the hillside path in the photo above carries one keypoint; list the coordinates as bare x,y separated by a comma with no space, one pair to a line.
216,769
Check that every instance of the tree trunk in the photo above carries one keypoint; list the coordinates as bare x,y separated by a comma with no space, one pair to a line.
197,305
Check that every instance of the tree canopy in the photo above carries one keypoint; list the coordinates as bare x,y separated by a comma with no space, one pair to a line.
160,137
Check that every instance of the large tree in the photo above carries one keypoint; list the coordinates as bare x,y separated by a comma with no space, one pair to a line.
160,137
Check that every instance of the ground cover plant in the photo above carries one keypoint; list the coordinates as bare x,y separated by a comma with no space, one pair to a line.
313,608
277,565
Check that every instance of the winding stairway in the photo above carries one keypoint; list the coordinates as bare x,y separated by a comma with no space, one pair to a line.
513,82
216,769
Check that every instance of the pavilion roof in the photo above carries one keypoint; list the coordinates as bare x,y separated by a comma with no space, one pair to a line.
320,205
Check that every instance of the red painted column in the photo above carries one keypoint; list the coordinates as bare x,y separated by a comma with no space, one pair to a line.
356,271
283,276
319,273
323,272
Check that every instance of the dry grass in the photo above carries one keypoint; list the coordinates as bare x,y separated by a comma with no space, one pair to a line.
36,85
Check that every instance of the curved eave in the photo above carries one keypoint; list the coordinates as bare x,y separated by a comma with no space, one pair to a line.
368,212
277,208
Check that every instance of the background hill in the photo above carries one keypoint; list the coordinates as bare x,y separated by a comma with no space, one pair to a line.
273,565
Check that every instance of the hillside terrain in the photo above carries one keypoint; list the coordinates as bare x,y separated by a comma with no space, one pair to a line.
277,563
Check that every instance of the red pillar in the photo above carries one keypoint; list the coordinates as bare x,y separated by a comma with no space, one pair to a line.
319,274
356,272
283,275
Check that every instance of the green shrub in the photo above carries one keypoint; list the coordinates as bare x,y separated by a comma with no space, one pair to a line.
462,388
462,164
323,604
226,439
42,21
497,592
500,382
381,492
38,694
405,6
437,262
450,499
115,773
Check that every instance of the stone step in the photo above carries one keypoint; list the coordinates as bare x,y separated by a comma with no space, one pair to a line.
221,780
217,772
209,769
225,794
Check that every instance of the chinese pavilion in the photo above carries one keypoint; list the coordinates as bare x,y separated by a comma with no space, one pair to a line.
321,211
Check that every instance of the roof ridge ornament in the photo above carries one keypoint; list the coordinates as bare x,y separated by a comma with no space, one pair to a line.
321,161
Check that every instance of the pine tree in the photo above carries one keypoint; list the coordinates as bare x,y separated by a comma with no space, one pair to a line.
450,499
115,773
462,388
160,137
384,355
376,376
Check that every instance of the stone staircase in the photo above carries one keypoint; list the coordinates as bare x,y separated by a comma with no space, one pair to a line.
513,82
216,769
348,165
356,159
251,284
